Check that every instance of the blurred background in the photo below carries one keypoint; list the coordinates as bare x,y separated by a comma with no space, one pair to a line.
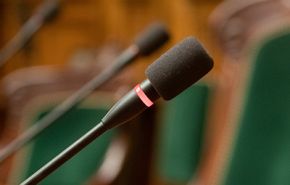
231,128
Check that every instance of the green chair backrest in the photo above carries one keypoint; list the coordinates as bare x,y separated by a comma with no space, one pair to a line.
60,135
261,151
181,134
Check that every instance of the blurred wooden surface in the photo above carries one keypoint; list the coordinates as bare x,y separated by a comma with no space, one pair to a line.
84,24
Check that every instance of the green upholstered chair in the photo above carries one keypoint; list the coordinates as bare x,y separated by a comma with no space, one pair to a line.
261,150
56,138
181,138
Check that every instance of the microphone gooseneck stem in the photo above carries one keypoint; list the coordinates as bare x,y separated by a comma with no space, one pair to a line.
125,59
123,111
65,155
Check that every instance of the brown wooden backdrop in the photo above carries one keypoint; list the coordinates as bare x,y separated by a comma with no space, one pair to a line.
83,24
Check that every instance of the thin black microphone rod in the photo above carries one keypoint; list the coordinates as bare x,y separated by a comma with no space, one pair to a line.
125,112
68,153
125,59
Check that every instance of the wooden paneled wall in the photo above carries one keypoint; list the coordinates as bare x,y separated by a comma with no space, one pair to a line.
85,24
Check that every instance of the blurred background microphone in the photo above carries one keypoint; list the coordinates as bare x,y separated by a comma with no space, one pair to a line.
44,13
147,42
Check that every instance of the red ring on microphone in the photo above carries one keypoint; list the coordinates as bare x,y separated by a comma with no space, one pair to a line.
144,98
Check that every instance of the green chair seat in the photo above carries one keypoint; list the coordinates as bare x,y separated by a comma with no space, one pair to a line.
60,135
261,151
181,134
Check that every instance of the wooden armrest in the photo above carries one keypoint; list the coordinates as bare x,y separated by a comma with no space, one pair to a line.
235,22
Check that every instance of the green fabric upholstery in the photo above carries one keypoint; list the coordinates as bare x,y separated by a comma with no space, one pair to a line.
60,135
181,134
261,152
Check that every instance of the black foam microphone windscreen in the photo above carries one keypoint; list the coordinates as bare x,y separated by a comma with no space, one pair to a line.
152,38
179,68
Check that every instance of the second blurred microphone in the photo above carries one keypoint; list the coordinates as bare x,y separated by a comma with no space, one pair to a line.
146,43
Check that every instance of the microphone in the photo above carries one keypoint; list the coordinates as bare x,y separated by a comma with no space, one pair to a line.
171,74
146,43
46,12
